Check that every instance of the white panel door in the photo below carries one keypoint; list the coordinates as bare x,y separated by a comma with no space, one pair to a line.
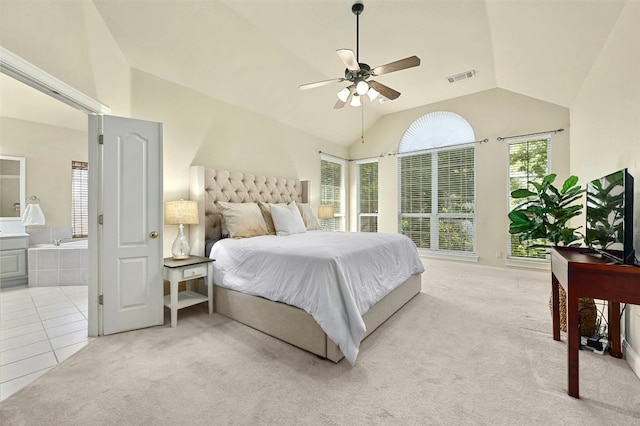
130,252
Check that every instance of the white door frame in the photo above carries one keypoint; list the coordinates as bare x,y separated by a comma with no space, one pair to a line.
16,67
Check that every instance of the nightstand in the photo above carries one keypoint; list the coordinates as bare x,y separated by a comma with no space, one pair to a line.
176,271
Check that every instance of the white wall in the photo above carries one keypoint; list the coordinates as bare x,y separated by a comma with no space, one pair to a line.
605,119
49,151
491,113
71,42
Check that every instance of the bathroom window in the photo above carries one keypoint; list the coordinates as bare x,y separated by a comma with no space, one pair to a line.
80,199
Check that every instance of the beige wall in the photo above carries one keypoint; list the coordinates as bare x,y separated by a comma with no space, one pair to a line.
491,113
49,151
605,119
199,130
71,42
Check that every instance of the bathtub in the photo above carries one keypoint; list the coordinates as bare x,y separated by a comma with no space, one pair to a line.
66,264
78,244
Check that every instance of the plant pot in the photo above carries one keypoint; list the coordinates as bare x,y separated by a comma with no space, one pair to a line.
586,310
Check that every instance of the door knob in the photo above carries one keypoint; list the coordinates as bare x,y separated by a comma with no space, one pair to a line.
153,234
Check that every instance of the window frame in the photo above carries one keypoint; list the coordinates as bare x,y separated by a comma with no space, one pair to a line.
360,215
341,214
434,215
511,142
79,199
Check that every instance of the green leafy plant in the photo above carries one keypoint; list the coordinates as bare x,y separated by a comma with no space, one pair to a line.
605,199
544,214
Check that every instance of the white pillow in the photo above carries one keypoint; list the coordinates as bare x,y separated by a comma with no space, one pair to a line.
287,219
308,217
243,220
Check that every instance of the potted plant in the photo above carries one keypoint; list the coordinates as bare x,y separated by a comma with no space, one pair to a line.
541,221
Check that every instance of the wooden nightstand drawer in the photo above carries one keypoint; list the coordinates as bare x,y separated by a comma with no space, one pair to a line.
195,272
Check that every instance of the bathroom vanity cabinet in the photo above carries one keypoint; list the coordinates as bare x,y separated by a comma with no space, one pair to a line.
13,260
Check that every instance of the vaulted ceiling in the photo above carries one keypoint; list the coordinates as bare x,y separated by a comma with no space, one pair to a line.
255,54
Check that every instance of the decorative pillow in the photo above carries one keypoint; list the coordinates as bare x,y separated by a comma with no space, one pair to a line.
243,220
287,219
266,214
308,217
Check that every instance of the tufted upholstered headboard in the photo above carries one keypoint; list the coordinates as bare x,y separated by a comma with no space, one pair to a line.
207,186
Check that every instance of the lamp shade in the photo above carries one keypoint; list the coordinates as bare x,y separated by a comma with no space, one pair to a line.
326,212
181,212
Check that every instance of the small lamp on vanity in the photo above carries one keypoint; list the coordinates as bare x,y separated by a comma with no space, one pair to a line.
181,212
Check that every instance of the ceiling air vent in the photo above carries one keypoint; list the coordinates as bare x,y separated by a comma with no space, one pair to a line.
461,76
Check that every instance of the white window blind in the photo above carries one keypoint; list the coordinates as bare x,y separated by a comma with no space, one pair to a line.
416,179
456,199
80,199
368,196
529,160
437,199
332,191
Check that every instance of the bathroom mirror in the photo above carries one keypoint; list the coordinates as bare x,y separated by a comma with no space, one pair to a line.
12,187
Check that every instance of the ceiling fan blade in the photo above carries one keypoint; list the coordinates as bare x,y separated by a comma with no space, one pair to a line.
411,61
340,103
349,59
385,91
319,83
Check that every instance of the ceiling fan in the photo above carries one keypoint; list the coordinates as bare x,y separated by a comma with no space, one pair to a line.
358,73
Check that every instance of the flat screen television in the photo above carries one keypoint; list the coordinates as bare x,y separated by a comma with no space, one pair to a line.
609,212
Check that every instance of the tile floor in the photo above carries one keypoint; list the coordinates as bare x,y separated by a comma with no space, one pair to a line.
39,328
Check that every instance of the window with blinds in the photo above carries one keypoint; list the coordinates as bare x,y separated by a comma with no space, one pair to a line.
368,196
332,191
437,169
437,199
79,199
529,160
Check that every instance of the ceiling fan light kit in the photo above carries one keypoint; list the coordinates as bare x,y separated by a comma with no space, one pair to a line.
358,73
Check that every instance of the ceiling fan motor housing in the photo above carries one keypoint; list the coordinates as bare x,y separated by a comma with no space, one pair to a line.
363,73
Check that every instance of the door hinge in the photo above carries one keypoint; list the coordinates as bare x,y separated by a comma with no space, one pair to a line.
100,219
101,300
100,139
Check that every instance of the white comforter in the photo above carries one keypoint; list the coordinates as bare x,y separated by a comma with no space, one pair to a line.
334,276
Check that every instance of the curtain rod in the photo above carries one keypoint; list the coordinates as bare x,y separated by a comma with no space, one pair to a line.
439,147
503,138
396,153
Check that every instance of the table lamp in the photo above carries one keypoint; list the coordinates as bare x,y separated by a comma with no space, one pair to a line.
326,212
181,212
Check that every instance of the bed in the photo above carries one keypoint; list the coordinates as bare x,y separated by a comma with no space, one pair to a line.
276,318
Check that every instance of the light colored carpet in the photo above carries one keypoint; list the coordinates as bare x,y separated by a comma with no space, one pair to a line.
474,348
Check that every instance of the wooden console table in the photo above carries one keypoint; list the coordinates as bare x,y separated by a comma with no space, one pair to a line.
584,273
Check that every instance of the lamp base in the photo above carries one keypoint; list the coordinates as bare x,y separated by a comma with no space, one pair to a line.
180,249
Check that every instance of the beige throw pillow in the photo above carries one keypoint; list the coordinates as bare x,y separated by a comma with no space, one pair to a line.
310,220
266,214
243,220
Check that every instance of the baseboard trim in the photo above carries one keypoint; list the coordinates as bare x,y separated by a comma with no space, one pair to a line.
632,357
543,265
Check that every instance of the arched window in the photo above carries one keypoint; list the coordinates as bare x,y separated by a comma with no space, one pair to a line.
436,130
436,164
